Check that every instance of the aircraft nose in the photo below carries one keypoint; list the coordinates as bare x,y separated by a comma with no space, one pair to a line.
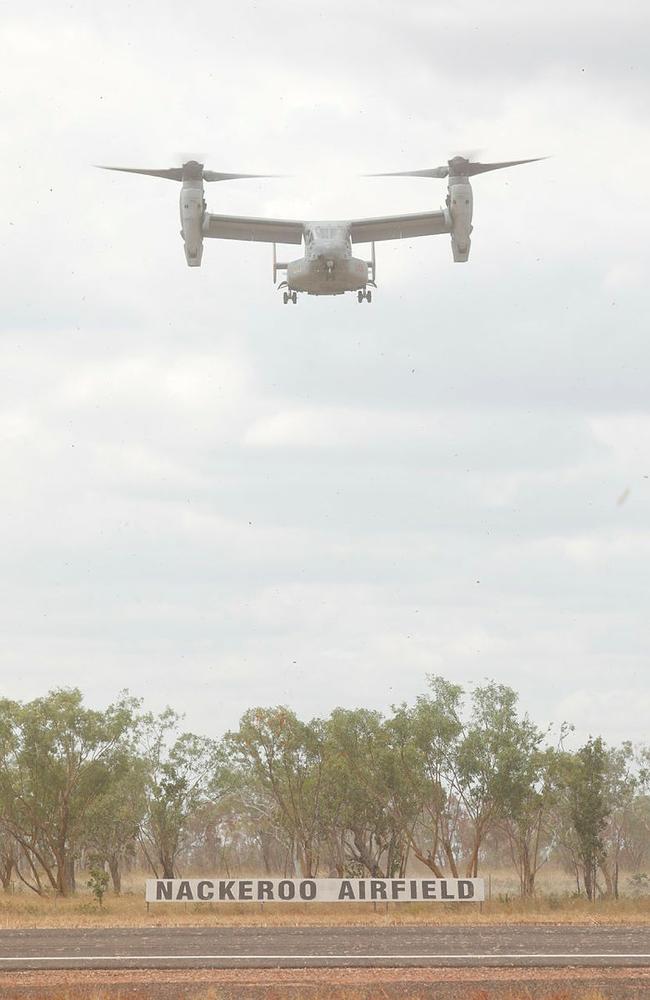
330,250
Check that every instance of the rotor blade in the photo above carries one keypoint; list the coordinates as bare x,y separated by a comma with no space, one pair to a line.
458,166
432,172
173,174
213,175
468,169
192,168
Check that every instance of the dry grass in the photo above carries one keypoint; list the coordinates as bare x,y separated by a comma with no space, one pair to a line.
25,909
129,910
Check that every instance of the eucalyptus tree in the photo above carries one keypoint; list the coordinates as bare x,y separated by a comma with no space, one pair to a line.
622,782
589,807
57,759
494,765
529,813
426,738
466,769
115,818
368,793
182,771
285,758
9,856
635,852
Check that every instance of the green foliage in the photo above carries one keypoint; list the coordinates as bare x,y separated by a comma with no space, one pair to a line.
57,758
284,758
587,782
370,799
98,882
443,779
180,770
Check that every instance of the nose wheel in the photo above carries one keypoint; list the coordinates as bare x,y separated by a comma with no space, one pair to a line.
289,297
365,294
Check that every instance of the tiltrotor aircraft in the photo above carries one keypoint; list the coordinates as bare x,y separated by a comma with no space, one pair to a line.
328,266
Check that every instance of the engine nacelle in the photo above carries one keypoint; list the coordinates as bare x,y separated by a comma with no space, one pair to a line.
460,204
192,207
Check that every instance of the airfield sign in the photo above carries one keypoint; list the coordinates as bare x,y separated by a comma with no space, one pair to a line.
315,890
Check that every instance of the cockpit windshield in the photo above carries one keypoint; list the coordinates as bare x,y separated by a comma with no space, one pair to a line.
337,234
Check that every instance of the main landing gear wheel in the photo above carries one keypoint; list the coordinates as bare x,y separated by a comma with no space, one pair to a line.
285,297
289,297
294,297
367,295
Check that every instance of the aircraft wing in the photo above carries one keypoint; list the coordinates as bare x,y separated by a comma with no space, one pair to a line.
400,227
240,227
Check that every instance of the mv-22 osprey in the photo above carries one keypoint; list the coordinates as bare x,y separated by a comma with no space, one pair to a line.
328,266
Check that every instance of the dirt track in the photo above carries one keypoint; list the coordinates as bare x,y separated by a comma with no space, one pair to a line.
339,984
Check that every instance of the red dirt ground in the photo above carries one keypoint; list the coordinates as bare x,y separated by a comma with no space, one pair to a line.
333,984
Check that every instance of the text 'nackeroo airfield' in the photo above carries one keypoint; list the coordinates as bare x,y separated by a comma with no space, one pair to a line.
315,890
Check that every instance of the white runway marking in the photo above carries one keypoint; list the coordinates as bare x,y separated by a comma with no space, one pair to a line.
612,956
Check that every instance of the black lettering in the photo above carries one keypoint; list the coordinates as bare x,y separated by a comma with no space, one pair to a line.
377,889
465,889
265,889
362,888
346,891
205,890
163,890
308,889
286,889
428,888
184,891
225,890
245,889
397,885
443,891
414,889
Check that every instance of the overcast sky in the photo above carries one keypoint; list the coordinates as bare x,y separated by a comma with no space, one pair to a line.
217,501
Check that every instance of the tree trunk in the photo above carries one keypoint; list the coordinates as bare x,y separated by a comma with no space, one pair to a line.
307,861
5,874
427,860
526,872
472,867
609,880
116,874
449,854
63,872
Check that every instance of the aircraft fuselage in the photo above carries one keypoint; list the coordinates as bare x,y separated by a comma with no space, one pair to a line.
328,267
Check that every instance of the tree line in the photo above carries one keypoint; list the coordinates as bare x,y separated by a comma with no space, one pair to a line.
454,780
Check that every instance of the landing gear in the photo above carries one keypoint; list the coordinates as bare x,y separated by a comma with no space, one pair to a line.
365,294
289,297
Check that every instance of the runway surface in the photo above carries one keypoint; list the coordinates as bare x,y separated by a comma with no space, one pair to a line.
527,946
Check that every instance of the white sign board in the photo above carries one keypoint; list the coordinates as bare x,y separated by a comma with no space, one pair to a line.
314,890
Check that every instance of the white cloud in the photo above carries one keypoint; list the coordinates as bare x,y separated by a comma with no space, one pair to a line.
320,505
624,711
